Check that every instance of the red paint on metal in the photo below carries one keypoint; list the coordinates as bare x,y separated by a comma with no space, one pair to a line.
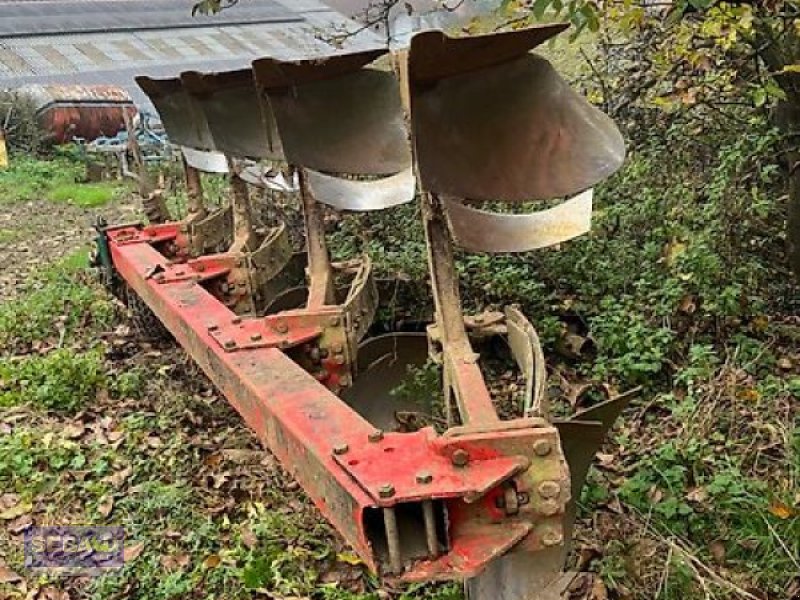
69,111
409,453
315,435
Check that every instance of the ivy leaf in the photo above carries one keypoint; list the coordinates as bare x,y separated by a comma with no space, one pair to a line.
539,8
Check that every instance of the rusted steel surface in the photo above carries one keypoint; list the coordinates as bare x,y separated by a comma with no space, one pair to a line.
367,136
501,124
232,110
65,112
183,119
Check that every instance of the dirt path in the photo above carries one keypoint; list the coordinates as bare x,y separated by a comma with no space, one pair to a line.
35,234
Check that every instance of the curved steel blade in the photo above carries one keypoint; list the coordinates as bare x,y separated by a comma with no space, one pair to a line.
434,55
494,123
484,231
352,194
207,162
527,351
383,366
183,119
335,116
236,120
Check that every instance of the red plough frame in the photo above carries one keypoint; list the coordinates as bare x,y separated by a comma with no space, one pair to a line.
439,511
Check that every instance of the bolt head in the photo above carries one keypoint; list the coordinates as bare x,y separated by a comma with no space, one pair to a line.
340,449
281,327
334,321
549,508
180,272
460,458
236,320
549,489
551,537
386,490
213,327
337,348
542,447
376,436
424,477
255,337
229,344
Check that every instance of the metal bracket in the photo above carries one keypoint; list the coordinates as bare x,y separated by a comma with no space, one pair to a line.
246,334
422,470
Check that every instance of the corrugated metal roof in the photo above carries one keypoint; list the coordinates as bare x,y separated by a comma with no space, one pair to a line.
58,42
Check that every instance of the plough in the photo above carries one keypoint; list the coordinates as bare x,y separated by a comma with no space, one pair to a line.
449,123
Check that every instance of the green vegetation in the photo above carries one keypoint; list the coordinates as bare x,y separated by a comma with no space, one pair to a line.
61,305
56,179
682,287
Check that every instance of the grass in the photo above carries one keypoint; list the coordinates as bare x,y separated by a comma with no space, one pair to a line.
85,195
56,180
61,305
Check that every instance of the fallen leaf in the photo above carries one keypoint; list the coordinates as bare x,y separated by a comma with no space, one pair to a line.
717,549
750,394
132,552
16,511
786,364
73,430
249,538
174,561
211,561
7,500
118,478
781,510
697,494
242,456
8,576
599,591
349,558
20,524
106,505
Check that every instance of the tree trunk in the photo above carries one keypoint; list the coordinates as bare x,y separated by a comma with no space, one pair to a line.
779,48
788,117
793,220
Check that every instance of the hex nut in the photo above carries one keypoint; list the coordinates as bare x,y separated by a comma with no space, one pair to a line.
548,508
542,447
460,458
386,490
340,449
551,537
255,337
376,436
549,489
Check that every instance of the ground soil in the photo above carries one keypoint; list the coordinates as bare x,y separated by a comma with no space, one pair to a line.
40,232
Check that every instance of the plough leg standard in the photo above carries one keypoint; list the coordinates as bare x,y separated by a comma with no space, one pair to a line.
453,122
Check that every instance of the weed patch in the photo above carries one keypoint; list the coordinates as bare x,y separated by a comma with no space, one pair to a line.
60,380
